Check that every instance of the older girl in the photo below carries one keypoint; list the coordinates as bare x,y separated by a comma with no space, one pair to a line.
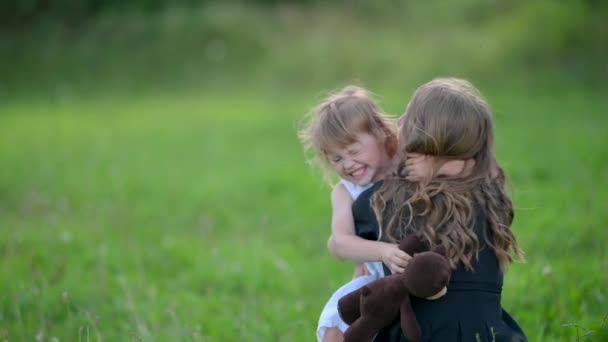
469,213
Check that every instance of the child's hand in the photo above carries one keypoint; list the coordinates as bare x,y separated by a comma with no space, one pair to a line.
360,271
394,258
455,167
418,167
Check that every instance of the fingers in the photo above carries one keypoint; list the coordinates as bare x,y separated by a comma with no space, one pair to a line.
410,161
413,160
410,177
400,264
402,255
395,259
399,261
416,167
412,174
396,269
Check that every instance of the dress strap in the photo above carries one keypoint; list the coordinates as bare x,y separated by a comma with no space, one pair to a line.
354,189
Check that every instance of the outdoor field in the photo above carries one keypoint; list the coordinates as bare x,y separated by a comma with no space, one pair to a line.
153,188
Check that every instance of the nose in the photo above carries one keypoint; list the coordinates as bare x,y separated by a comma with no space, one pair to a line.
348,163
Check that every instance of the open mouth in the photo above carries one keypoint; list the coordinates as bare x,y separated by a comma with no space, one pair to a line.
359,172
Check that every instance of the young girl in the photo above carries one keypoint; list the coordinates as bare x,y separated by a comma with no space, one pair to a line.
469,213
349,134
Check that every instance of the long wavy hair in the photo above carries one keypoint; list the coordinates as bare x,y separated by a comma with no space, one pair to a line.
450,120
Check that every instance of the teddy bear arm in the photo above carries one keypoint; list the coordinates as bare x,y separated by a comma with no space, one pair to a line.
349,307
409,324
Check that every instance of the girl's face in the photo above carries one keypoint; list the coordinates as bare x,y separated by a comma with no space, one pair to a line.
362,162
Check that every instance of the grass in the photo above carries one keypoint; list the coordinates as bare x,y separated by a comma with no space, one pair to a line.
152,186
196,218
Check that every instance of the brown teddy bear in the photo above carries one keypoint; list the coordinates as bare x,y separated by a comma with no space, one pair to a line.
376,305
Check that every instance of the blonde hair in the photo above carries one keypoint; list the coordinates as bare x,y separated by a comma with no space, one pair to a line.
335,123
449,119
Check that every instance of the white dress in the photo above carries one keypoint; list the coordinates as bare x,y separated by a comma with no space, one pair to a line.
330,317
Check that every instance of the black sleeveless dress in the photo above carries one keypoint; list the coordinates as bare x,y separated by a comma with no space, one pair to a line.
366,225
470,311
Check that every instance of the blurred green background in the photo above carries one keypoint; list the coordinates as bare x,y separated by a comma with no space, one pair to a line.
152,187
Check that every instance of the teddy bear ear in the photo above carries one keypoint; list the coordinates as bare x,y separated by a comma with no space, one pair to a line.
411,245
441,251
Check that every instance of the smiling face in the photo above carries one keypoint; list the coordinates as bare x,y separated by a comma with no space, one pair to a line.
350,135
361,162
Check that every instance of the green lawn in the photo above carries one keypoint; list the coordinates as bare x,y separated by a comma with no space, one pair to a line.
195,217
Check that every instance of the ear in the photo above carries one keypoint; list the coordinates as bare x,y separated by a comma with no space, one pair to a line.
411,245
441,251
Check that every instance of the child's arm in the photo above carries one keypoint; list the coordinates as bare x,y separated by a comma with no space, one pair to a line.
344,244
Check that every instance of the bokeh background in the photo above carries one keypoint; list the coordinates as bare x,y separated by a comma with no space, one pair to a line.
152,186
